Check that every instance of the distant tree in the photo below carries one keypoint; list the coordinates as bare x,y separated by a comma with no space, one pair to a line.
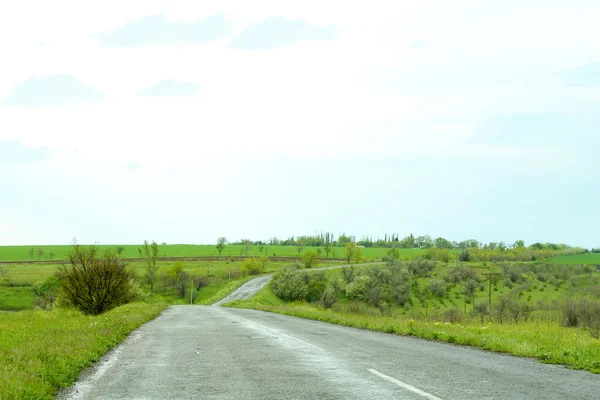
140,251
94,284
40,253
328,239
357,255
393,253
247,246
52,254
151,256
309,259
300,246
31,252
442,243
221,244
350,250
120,250
319,251
179,278
260,249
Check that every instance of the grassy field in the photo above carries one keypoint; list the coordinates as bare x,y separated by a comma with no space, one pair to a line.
41,352
587,258
22,253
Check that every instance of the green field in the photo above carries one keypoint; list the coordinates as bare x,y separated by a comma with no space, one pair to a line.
587,258
22,253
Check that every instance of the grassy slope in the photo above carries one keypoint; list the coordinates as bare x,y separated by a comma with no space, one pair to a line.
41,351
546,341
587,258
21,253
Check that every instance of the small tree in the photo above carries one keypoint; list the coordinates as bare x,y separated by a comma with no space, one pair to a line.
327,243
151,255
309,259
221,244
350,249
299,246
40,253
140,251
94,284
120,250
31,252
179,278
247,247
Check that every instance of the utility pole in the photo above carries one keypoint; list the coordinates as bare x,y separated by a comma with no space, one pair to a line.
490,275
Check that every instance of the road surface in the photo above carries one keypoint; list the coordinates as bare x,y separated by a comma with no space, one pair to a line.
208,352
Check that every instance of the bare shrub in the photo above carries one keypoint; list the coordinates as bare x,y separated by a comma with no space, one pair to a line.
583,313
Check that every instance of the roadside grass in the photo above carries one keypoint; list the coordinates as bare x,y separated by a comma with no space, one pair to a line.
541,338
41,351
21,253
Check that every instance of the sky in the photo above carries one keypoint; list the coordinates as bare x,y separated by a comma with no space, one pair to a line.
184,121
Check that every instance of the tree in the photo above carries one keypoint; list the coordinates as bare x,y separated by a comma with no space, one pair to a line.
327,243
94,284
40,253
31,252
151,255
120,250
140,251
309,259
299,246
221,243
179,278
350,249
247,246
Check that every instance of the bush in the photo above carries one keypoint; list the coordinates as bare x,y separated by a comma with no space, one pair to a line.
254,265
464,256
328,298
290,285
437,288
583,313
420,267
310,259
47,292
355,290
94,285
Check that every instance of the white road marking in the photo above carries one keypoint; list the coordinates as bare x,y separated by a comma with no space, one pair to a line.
403,385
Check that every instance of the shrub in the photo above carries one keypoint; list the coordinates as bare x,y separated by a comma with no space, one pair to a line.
328,298
421,267
583,313
254,265
47,292
437,288
310,259
290,285
465,256
92,284
355,290
453,315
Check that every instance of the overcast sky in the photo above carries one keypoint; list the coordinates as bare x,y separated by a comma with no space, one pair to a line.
182,121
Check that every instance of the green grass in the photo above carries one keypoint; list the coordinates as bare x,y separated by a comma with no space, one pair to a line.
41,351
21,253
587,258
545,341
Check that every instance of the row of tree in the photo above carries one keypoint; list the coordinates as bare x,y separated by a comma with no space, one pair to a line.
327,239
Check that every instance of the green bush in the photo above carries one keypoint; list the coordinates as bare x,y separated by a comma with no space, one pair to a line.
310,259
290,285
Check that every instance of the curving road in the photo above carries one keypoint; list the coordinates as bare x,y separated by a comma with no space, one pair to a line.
193,352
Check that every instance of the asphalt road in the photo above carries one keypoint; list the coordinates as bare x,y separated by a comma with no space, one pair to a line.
208,352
